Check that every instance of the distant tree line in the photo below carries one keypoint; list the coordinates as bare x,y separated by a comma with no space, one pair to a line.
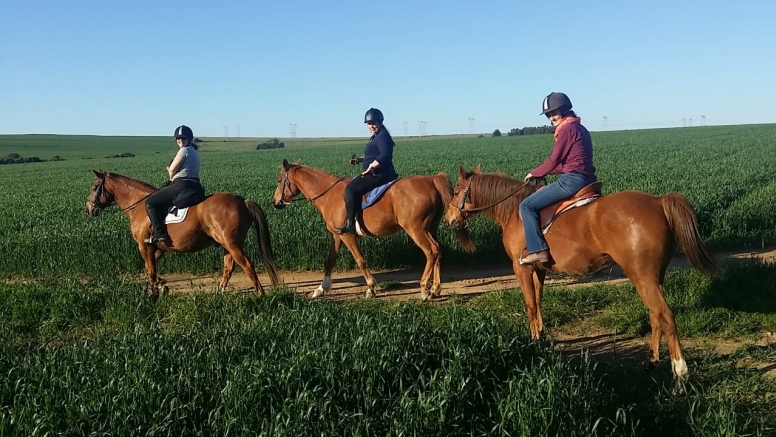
122,155
532,130
15,158
271,144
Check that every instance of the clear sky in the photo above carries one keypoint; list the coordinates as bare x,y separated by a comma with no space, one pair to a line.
144,67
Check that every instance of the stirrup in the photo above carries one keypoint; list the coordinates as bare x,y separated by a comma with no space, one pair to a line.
154,240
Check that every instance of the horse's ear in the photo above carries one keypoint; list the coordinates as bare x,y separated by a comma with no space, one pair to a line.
98,174
461,171
286,165
297,162
476,170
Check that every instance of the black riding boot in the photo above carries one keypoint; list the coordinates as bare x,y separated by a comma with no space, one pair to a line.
159,228
348,228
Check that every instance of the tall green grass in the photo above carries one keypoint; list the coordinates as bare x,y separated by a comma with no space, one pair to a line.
101,359
98,358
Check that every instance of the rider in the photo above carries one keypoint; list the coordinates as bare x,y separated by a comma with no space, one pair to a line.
572,158
378,168
184,174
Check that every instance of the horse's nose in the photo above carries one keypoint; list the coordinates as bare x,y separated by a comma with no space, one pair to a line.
279,205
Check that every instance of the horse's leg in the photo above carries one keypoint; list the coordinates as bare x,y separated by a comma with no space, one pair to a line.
525,278
538,283
661,319
431,250
352,244
436,286
331,260
148,253
228,270
157,256
239,257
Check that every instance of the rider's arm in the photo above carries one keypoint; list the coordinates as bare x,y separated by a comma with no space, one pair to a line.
552,165
176,163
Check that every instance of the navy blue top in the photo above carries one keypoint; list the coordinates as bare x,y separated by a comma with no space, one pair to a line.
380,149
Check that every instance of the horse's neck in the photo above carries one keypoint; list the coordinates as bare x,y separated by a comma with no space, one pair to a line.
312,182
127,192
508,207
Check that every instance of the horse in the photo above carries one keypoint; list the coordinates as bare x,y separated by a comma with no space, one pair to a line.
636,230
222,218
415,204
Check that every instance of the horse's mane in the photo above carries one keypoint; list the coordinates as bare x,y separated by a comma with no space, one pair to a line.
488,188
130,183
315,171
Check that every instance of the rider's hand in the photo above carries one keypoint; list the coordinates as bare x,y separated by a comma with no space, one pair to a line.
353,161
528,178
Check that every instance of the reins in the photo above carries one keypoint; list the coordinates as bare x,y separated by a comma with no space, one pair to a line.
101,191
483,208
287,183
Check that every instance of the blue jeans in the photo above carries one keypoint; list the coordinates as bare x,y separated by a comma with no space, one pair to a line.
564,188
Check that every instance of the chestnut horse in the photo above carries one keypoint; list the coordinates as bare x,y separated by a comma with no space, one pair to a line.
415,204
222,218
633,229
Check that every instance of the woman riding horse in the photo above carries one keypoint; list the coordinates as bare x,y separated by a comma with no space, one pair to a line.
184,175
378,168
572,157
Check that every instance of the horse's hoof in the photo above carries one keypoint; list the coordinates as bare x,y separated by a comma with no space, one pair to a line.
165,290
425,296
369,294
317,293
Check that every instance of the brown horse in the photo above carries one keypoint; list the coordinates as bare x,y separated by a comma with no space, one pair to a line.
633,229
415,204
222,218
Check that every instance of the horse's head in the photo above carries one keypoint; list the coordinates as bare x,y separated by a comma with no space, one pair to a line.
287,188
461,203
99,197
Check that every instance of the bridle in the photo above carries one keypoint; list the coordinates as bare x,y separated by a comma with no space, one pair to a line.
100,191
287,185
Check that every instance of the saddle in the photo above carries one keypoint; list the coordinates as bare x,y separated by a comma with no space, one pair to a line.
188,197
583,197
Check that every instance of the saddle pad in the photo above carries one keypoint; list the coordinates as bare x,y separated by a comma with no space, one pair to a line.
176,215
373,196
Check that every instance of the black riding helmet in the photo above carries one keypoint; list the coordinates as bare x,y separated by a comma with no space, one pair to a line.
184,132
373,114
556,101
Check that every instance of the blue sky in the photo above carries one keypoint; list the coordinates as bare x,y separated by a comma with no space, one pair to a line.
144,67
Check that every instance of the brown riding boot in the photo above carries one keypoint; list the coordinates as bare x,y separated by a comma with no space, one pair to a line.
541,257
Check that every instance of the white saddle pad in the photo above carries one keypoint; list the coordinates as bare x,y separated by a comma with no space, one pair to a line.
178,217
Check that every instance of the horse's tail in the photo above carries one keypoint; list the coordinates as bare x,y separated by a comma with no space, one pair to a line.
445,189
684,224
262,236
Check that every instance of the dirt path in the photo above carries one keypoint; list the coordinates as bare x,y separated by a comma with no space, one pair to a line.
403,284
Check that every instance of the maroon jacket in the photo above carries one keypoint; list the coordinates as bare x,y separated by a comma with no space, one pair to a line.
573,152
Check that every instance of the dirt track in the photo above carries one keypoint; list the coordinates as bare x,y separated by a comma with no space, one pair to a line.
403,284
